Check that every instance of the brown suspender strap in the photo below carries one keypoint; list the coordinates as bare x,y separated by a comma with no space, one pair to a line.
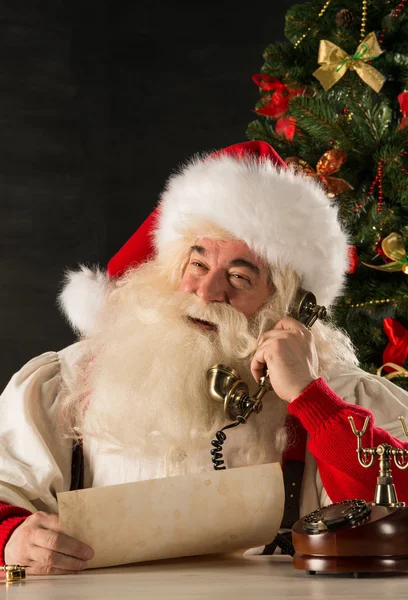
77,466
293,467
292,480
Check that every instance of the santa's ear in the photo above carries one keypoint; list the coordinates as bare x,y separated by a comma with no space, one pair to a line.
83,296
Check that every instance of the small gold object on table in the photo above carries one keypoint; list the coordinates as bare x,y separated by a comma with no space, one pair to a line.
14,573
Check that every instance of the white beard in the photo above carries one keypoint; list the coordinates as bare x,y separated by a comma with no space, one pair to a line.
145,388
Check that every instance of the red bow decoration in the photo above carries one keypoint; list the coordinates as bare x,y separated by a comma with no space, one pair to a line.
277,103
396,350
403,102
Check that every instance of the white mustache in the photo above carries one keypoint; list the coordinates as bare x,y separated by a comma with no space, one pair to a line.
233,328
217,313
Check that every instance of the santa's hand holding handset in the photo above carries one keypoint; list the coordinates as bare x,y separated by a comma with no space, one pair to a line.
289,353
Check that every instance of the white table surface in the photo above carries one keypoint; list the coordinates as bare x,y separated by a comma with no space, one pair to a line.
207,577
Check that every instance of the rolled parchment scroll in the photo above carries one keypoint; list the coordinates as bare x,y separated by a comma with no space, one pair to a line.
211,512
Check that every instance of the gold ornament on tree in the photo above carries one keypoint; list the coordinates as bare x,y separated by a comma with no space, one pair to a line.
335,62
329,163
393,248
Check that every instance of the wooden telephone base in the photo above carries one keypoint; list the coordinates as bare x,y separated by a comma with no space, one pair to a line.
377,543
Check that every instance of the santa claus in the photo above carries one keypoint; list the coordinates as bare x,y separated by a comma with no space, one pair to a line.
211,277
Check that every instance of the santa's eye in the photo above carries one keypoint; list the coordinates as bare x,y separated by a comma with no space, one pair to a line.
239,280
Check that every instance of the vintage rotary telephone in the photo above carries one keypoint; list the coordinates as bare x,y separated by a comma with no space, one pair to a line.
225,384
355,536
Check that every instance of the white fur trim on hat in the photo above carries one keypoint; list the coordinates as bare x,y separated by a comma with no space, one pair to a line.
286,218
83,297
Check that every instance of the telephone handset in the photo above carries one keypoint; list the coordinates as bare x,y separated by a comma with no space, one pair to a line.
225,384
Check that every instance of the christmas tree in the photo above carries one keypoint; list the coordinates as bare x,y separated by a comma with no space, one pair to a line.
334,103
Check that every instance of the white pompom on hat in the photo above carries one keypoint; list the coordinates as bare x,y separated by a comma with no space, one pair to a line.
246,189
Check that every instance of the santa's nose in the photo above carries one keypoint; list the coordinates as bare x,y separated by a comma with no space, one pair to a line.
211,288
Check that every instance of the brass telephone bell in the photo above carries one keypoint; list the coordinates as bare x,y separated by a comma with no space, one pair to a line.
225,385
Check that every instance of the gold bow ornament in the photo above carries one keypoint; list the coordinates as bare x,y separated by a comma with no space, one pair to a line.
329,163
393,248
335,63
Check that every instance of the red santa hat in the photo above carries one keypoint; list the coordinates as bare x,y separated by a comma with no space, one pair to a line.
247,190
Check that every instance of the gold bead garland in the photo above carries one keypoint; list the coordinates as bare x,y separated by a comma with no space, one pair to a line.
370,302
321,13
363,20
323,10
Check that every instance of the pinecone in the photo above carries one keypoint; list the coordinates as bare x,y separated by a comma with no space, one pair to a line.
344,18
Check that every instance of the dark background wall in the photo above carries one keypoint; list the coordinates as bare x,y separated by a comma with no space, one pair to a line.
99,101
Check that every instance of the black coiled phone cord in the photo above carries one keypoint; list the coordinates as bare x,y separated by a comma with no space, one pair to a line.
283,543
216,452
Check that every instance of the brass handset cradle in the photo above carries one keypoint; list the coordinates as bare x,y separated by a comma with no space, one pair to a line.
225,384
385,494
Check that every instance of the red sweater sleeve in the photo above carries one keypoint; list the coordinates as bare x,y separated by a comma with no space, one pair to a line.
324,415
10,518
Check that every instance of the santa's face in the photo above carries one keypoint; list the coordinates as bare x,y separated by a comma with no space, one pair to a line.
146,385
226,271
